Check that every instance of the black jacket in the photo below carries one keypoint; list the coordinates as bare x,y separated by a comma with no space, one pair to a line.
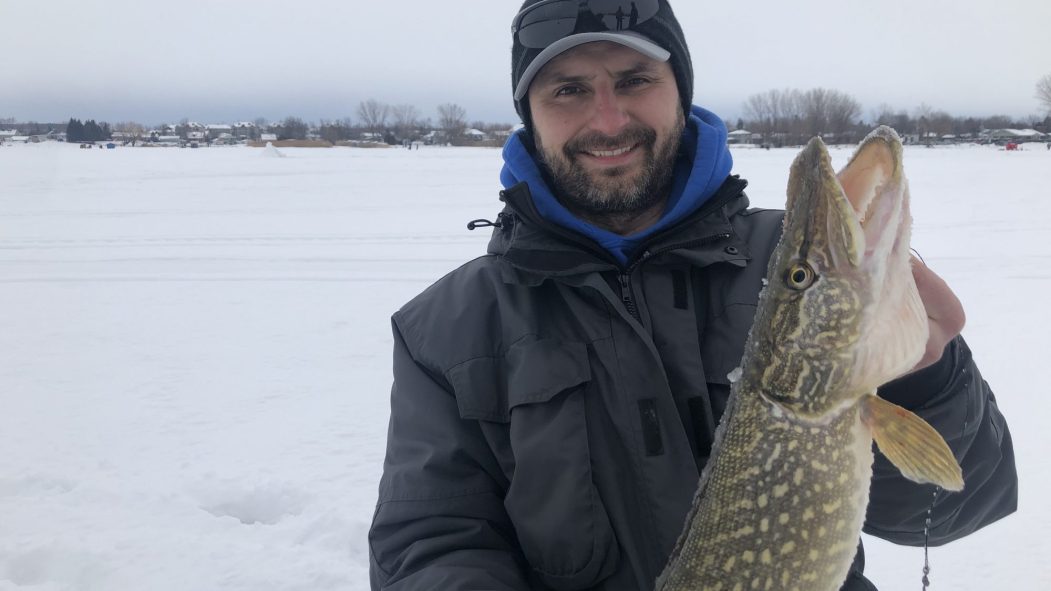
551,411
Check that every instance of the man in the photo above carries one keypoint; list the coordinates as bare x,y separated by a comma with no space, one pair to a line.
555,400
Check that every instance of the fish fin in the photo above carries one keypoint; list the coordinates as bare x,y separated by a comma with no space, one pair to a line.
911,444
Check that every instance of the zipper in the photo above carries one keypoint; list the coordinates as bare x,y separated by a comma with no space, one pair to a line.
626,296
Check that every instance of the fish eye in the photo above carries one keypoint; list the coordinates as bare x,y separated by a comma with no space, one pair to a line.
800,276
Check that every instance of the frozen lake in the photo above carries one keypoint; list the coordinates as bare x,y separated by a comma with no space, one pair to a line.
196,351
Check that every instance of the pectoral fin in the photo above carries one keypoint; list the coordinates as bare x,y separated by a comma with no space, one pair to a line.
911,444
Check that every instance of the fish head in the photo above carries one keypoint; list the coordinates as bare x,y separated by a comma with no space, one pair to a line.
840,314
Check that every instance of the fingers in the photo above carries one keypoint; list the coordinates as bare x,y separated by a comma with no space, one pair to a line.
945,313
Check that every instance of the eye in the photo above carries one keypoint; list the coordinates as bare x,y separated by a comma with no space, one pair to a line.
568,91
800,276
635,82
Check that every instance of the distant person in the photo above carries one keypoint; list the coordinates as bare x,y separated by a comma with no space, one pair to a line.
620,18
555,399
633,17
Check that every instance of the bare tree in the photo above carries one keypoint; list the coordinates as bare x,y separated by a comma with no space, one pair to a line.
923,122
405,118
773,114
997,122
373,115
1043,92
293,128
842,110
452,118
131,132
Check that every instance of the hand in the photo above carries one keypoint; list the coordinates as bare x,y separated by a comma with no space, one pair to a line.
945,314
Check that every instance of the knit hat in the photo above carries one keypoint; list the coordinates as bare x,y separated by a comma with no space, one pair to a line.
662,29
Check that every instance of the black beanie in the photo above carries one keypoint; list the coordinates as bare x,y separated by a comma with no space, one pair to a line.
663,29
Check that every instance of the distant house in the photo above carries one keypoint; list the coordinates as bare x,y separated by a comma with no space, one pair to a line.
502,134
741,136
168,140
216,131
245,130
7,134
268,137
1016,135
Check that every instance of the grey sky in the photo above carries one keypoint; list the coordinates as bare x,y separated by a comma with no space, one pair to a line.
229,60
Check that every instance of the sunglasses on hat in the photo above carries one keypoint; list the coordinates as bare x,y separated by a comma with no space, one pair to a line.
545,22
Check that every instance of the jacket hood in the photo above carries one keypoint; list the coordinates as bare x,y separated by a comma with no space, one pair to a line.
702,166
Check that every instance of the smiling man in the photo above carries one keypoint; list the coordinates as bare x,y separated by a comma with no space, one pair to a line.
555,400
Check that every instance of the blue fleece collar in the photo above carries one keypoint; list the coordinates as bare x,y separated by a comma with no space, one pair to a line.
704,163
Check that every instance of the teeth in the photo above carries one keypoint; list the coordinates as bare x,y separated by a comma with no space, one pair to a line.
611,153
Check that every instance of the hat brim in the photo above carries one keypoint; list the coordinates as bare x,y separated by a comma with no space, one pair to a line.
629,39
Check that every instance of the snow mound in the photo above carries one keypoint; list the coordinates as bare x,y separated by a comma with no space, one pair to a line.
271,152
267,504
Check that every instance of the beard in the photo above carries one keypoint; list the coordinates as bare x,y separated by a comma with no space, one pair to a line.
613,192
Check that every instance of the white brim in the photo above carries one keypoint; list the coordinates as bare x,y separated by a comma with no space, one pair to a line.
630,39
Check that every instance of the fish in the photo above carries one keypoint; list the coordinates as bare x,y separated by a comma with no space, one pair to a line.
781,502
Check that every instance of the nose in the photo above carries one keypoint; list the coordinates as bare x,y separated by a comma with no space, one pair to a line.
610,116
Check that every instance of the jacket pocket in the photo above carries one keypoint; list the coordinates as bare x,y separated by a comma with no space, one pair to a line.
535,397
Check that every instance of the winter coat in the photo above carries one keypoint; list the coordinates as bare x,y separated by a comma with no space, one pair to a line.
551,410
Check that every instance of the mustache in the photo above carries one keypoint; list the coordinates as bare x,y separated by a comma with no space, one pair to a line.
594,141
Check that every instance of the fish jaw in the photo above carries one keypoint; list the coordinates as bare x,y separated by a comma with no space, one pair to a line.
857,321
895,326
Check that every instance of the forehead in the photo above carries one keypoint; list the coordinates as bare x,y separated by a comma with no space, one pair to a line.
589,58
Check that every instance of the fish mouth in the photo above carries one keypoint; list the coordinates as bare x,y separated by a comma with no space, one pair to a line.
875,187
858,217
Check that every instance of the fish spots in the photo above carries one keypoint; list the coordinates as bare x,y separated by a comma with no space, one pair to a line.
788,547
776,453
744,531
832,507
783,518
763,500
780,490
764,525
748,556
819,466
797,477
808,514
765,557
728,566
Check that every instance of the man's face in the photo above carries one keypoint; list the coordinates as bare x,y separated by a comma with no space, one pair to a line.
607,123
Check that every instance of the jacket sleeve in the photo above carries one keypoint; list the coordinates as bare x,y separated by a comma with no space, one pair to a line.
952,396
440,522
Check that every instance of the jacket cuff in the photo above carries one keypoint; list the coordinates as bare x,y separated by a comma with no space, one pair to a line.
916,389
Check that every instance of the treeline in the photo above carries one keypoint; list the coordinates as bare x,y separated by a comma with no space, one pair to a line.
793,116
88,131
392,124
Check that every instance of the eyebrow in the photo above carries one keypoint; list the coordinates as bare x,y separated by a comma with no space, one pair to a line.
558,77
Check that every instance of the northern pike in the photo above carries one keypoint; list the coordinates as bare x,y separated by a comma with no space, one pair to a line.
781,502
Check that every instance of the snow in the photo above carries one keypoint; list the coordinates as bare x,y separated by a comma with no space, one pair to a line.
196,344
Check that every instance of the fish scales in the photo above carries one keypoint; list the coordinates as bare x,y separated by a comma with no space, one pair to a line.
781,507
781,502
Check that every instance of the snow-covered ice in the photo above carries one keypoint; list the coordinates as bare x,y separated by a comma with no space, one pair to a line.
195,371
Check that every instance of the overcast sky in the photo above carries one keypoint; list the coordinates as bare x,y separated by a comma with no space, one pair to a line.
230,60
